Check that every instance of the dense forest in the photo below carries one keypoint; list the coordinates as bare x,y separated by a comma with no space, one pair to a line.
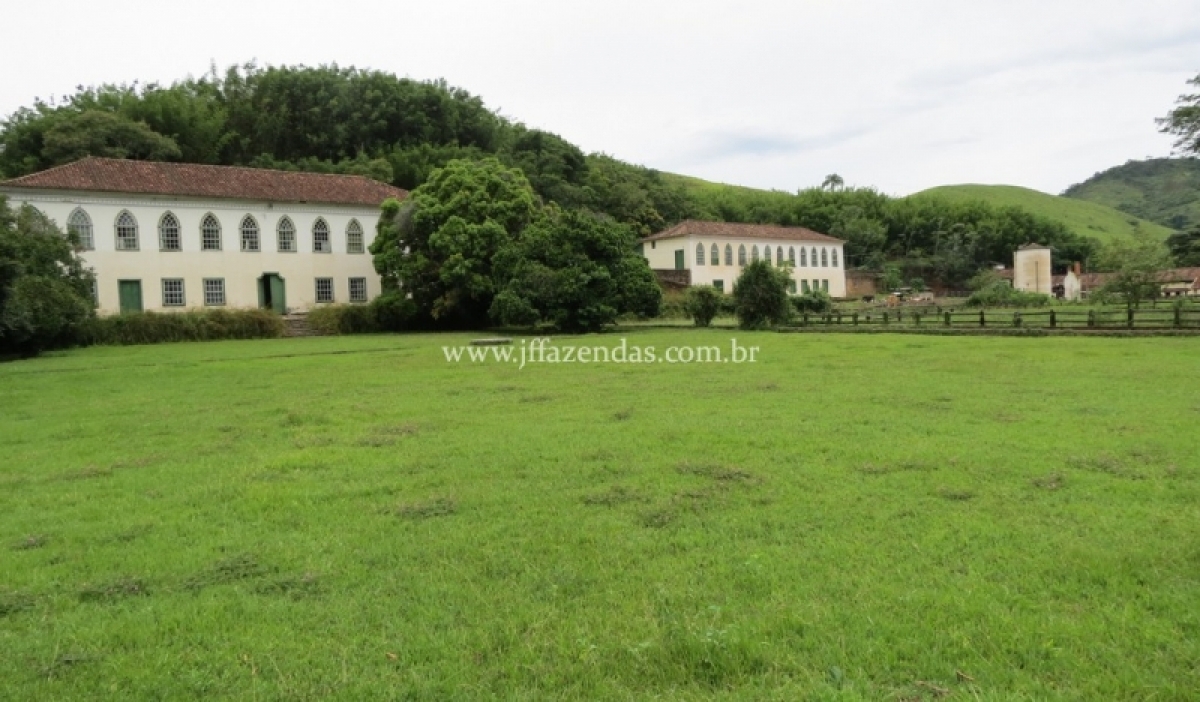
348,120
1163,190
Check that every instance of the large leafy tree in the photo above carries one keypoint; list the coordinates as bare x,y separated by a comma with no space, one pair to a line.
440,245
45,292
760,296
1185,247
96,133
1183,122
1135,268
574,270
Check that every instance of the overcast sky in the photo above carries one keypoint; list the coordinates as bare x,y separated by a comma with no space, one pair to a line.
901,95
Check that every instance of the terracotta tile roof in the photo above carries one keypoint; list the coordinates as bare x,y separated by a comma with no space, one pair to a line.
730,230
197,180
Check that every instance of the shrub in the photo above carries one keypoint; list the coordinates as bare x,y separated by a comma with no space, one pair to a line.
393,311
813,302
343,319
760,296
703,303
1001,294
193,325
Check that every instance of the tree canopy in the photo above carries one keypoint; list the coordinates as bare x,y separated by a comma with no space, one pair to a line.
1183,122
45,292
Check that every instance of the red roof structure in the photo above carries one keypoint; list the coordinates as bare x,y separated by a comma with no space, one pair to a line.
198,180
730,230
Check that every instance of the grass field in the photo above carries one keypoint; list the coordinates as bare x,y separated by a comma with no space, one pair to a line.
849,518
1085,218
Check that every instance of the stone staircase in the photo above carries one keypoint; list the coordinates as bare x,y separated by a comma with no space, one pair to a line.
296,324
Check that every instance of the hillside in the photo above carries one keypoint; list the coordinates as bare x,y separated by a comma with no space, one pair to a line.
1163,190
1085,218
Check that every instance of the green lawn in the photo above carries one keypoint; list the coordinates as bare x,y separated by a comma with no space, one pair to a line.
852,517
1085,218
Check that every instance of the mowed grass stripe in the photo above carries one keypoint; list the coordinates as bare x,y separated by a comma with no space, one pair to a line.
850,518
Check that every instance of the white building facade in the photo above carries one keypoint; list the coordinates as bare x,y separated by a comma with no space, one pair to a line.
165,237
714,253
1032,269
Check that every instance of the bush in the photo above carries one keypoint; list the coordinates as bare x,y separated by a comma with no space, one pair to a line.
1001,294
703,303
193,325
391,311
674,305
343,319
813,302
760,296
41,313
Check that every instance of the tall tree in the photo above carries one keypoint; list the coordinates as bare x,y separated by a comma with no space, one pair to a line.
1185,247
440,245
1183,122
45,292
575,270
1135,266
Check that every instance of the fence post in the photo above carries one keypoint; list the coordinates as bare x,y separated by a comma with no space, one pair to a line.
947,319
917,318
982,319
1130,313
839,314
1091,318
856,319
885,318
1017,319
804,320
1053,320
1178,316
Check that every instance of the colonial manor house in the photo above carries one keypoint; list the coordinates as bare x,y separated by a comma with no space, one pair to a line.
714,253
163,236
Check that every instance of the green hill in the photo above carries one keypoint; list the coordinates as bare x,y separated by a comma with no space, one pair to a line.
1086,218
1163,190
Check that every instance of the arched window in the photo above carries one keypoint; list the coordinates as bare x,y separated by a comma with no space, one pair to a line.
127,231
834,255
699,254
286,234
210,233
754,253
728,255
168,233
249,234
354,238
792,256
779,256
824,258
803,257
79,225
320,232
714,258
814,257
741,254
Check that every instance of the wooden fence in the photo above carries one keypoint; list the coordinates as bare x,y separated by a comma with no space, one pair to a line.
1145,318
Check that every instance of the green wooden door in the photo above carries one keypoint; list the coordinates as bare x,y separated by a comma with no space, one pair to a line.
130,293
679,260
278,295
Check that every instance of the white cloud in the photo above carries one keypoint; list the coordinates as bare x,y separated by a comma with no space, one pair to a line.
899,95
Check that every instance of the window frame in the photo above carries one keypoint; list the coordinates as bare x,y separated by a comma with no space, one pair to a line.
132,226
754,256
741,254
205,231
350,289
317,290
328,248
824,257
208,290
728,254
792,256
182,292
699,255
804,257
714,255
162,230
353,227
833,256
255,229
77,228
279,232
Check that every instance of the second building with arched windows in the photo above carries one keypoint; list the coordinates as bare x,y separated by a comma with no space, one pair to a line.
163,236
714,253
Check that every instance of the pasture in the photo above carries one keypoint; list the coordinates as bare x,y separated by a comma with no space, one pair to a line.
852,517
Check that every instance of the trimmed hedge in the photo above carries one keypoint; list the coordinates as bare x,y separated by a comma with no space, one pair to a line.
390,312
192,325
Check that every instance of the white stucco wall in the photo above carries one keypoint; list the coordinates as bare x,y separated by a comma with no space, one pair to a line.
240,269
1031,270
662,256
